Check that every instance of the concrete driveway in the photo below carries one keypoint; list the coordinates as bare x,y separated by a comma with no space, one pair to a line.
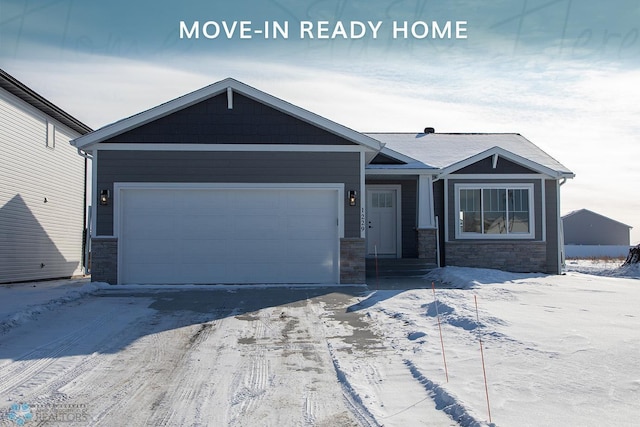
213,356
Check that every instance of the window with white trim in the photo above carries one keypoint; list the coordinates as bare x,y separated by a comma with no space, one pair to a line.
51,134
494,211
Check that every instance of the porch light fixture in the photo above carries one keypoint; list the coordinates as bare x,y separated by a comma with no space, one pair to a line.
104,197
352,197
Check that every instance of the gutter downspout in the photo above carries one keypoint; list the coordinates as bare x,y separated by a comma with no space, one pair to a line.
86,237
84,154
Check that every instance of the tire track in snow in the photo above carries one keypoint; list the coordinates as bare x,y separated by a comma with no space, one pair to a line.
143,390
24,370
444,401
249,386
310,408
250,380
351,396
188,389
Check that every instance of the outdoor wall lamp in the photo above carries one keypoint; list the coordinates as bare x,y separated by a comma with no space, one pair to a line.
104,197
352,197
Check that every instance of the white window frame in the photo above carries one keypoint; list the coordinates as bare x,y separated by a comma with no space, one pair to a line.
51,134
494,186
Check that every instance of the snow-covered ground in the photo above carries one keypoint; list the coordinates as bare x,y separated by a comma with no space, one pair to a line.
558,350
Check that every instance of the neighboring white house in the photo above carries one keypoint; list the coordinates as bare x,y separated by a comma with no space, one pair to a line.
589,234
42,187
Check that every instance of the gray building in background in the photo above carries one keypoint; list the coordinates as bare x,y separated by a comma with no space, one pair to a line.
584,227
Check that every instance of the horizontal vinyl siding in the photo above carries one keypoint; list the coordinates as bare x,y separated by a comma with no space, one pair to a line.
227,167
33,232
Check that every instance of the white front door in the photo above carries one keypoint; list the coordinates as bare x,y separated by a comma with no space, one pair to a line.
382,221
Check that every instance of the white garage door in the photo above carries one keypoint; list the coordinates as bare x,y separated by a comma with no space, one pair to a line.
240,235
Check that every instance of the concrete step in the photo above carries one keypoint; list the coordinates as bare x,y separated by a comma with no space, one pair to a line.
398,267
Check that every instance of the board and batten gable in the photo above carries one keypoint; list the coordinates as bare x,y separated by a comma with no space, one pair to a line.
42,195
212,122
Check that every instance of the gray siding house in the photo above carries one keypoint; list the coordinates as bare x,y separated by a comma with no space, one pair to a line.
585,227
228,184
42,187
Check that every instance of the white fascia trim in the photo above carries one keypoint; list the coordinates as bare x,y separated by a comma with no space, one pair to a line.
496,152
363,197
231,147
36,113
496,177
543,194
214,90
373,172
118,187
560,231
445,220
94,194
508,186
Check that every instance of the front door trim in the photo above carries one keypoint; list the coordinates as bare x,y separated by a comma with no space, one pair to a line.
397,188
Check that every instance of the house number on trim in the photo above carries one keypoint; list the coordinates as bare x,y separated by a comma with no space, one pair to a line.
362,219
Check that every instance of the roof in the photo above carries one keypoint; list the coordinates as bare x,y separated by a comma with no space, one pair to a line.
18,89
588,212
227,85
453,151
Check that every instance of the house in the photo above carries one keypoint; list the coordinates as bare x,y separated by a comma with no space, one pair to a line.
587,233
42,187
228,184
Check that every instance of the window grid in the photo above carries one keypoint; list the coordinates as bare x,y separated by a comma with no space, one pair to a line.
494,211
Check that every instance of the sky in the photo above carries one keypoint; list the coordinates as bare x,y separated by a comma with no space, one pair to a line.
563,73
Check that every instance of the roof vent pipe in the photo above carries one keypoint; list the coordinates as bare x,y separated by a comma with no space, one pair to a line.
429,130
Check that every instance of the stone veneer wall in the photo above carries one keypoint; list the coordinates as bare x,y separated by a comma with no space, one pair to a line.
427,246
352,260
526,257
104,260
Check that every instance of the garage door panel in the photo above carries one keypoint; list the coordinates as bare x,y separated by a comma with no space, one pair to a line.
317,202
152,250
254,227
206,226
301,227
267,201
147,226
149,273
202,273
222,235
255,272
204,251
299,271
309,253
202,200
258,250
152,201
